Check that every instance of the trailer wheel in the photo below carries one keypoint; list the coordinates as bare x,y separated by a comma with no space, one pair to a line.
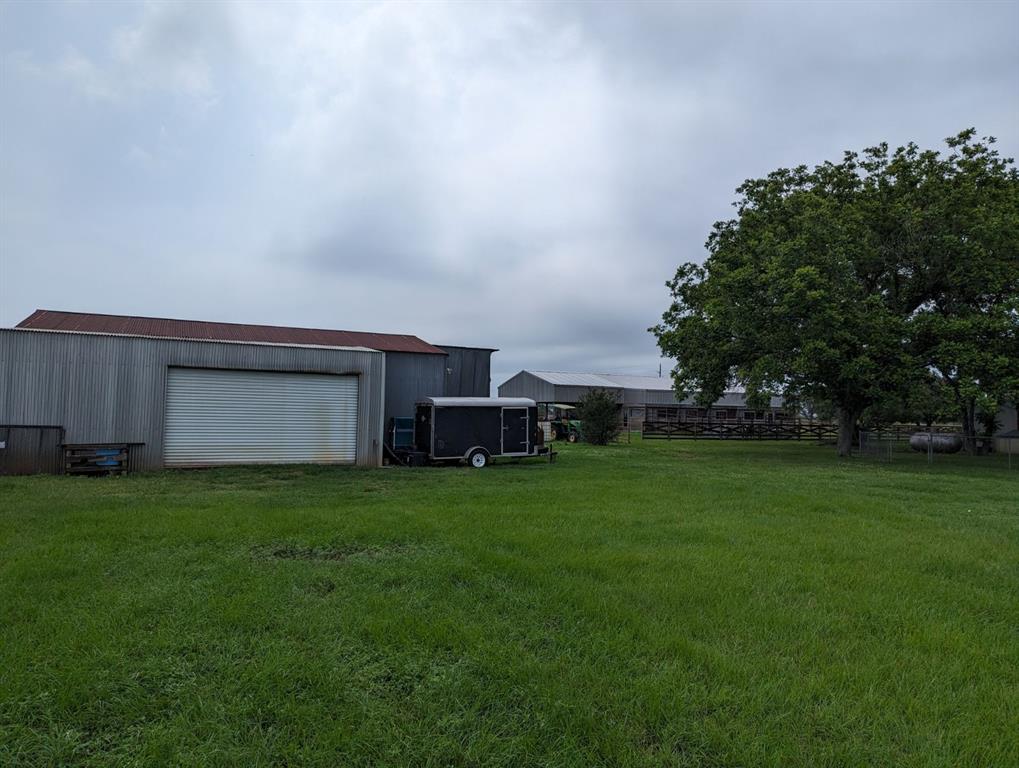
572,437
478,458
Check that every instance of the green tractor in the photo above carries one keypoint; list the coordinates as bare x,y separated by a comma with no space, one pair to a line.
563,422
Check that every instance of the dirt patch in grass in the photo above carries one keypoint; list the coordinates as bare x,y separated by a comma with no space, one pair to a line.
322,587
332,552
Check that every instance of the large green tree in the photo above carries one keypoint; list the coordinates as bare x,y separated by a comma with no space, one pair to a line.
966,330
851,282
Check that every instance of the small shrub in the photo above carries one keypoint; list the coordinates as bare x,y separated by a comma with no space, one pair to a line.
599,417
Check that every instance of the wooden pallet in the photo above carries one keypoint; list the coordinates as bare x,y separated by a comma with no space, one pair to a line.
103,459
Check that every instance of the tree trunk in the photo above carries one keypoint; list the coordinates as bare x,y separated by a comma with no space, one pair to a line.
968,410
969,426
847,430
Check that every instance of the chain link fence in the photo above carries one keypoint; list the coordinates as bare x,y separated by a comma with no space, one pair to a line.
939,447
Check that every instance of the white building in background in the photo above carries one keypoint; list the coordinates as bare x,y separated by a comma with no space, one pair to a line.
640,398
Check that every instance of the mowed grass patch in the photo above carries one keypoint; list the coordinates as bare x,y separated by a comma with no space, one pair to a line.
672,603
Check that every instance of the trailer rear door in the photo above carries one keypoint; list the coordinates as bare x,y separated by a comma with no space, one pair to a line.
514,431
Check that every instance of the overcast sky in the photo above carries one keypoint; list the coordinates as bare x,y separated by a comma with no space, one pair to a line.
520,176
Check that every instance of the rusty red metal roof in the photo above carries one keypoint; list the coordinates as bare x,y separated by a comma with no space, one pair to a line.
86,322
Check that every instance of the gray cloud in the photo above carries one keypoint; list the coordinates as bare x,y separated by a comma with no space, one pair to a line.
523,176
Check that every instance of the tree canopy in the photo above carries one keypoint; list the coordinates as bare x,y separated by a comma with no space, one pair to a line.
857,283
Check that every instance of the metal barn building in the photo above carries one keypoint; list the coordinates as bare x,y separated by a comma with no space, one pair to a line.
187,393
182,402
639,397
412,376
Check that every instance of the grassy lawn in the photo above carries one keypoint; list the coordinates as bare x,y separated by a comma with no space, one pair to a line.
687,604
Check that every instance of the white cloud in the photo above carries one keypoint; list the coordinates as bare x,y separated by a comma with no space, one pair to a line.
171,48
486,142
88,79
521,175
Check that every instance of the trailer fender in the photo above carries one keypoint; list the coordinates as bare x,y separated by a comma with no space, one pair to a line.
477,457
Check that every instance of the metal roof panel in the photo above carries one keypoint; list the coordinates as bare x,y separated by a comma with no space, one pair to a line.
125,325
565,379
480,402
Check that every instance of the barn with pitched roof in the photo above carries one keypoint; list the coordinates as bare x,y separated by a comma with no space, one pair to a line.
640,398
176,393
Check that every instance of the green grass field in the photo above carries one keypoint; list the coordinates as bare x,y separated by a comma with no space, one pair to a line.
687,604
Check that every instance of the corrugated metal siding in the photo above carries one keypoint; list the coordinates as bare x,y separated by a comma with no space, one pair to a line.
468,372
525,384
249,417
410,378
30,450
112,388
573,394
659,397
632,390
637,396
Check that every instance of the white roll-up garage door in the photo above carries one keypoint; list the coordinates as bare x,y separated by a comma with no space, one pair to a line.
249,417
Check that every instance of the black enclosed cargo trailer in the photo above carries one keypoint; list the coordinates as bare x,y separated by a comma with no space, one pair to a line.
476,429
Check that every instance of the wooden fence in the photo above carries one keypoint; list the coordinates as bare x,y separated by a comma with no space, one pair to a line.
738,430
